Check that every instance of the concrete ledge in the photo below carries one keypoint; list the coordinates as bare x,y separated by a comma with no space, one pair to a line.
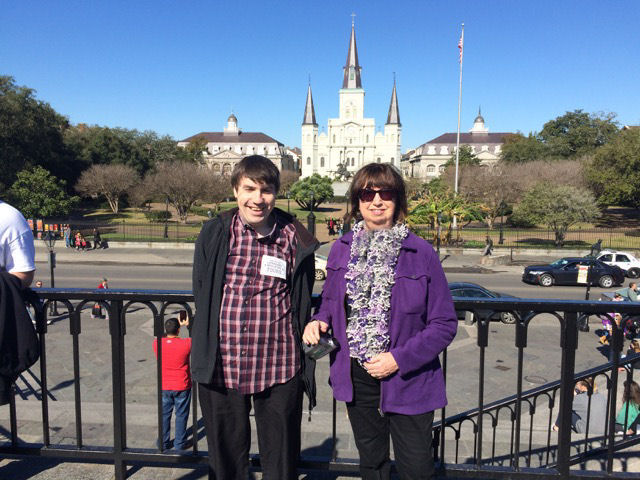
154,245
495,260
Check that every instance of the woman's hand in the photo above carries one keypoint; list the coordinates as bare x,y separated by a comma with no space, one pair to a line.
311,335
382,365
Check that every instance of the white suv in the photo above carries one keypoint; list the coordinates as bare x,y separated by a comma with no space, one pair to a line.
624,260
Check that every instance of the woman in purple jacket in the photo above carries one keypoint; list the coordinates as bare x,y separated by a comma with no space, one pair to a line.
387,301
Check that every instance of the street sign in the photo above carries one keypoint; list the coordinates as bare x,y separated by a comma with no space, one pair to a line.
583,272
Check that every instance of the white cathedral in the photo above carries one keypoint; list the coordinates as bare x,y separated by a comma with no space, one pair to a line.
351,139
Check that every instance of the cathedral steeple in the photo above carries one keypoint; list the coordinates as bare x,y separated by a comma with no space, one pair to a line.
309,112
393,118
352,67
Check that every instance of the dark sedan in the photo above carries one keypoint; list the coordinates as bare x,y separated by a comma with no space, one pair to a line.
473,290
565,272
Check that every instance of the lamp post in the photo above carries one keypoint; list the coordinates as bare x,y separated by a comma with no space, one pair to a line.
311,218
346,220
288,199
438,234
501,238
50,241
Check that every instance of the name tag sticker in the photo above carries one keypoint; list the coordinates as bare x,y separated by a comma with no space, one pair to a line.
273,267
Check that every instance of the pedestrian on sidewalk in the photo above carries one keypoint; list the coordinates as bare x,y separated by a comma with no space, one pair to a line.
253,273
587,403
488,246
97,239
67,236
176,382
96,312
628,417
630,293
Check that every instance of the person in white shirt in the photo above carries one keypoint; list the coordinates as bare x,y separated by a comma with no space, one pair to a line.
17,251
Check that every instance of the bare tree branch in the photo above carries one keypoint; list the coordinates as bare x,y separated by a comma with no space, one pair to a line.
110,181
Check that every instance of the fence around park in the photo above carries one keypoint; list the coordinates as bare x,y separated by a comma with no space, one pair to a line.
506,439
577,238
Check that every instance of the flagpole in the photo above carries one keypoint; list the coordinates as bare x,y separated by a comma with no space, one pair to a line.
455,186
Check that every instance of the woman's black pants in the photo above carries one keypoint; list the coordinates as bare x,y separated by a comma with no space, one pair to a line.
411,434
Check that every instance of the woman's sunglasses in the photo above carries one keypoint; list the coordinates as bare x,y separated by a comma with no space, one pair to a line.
367,194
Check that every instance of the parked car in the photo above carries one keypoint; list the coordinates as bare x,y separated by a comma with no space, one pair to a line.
467,289
565,272
321,267
625,260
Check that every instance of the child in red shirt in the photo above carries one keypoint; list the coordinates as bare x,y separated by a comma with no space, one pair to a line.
176,382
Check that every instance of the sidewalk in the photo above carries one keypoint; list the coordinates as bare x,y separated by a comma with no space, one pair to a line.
181,254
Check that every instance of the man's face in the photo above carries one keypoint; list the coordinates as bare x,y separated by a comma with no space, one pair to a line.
255,201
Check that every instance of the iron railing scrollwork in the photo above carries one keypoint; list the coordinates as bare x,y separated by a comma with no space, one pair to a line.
525,417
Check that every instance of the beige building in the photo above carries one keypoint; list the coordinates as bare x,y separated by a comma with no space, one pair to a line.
225,149
351,139
427,161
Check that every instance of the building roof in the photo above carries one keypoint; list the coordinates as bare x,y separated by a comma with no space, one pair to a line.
241,137
393,118
309,112
352,67
470,139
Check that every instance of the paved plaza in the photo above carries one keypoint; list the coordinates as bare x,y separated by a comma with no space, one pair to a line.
541,364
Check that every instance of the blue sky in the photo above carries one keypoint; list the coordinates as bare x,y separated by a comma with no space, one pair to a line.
180,67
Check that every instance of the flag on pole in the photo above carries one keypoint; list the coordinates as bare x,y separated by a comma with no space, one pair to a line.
461,45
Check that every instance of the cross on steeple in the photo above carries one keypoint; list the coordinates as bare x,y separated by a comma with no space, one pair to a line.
353,19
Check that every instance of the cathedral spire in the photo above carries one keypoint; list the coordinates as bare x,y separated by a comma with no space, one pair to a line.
352,67
309,112
393,118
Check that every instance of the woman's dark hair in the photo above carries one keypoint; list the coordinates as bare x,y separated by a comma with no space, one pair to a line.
257,168
379,175
631,393
171,326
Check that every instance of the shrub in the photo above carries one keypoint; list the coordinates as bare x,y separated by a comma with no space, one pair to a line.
157,216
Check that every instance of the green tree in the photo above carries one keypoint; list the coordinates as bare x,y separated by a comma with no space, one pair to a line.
614,172
520,149
31,134
577,133
437,206
465,157
302,191
38,194
558,207
196,149
94,145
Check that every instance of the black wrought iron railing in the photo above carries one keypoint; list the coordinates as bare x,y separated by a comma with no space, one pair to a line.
505,431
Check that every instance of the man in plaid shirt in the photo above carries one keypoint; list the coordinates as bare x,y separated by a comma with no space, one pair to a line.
253,274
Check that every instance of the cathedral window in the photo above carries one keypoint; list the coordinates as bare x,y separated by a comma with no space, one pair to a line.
353,161
392,159
441,168
308,160
431,168
350,140
367,139
315,138
321,162
334,139
379,160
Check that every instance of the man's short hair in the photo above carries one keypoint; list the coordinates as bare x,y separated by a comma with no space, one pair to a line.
632,284
257,168
171,326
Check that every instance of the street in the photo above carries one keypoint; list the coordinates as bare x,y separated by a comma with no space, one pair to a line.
505,279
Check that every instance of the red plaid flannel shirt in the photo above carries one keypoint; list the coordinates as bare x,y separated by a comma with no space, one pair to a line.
257,343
